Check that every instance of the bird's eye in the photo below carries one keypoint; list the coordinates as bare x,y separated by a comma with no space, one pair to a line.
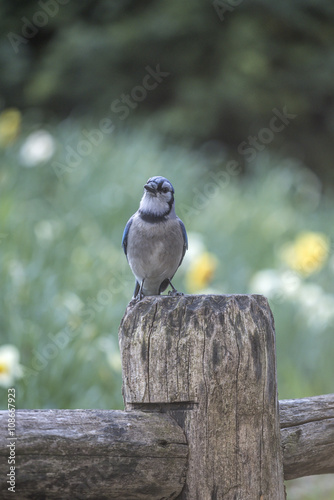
164,190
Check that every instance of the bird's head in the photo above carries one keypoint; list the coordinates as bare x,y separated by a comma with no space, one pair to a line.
158,198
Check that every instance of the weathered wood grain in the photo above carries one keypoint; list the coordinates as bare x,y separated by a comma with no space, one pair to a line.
90,454
212,360
112,454
205,362
307,433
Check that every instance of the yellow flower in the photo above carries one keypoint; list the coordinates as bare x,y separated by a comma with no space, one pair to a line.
201,272
308,253
10,122
10,369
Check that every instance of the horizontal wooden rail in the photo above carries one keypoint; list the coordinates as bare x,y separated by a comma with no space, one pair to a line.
307,436
139,455
93,454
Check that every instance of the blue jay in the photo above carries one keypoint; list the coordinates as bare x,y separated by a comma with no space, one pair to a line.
155,239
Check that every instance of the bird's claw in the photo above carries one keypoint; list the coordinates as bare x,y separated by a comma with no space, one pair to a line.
175,293
137,298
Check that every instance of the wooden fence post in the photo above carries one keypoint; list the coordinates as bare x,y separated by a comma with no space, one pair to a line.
209,361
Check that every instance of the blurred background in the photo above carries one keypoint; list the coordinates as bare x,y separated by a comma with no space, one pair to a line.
234,103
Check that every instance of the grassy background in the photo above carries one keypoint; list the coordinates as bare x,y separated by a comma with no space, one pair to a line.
64,201
65,281
63,268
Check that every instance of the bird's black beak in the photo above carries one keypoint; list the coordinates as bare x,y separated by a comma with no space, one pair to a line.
150,189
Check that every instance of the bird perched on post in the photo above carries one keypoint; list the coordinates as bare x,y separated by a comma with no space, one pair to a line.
155,239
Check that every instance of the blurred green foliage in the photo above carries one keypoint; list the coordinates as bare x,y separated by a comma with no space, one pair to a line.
228,66
171,88
65,281
311,488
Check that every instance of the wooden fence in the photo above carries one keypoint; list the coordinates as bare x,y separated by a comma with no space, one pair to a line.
201,418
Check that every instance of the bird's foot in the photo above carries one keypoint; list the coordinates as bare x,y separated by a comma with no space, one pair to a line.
138,293
138,297
175,293
133,301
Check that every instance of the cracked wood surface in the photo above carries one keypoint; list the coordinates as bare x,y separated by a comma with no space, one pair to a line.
90,454
212,360
307,433
92,447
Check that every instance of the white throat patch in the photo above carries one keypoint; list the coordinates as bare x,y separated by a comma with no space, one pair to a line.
153,205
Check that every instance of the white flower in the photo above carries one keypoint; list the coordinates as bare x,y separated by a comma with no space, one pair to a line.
39,147
72,302
267,282
109,347
47,230
17,272
291,283
275,285
196,248
10,368
316,308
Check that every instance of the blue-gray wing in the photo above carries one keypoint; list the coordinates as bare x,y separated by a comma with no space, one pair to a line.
125,235
185,239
